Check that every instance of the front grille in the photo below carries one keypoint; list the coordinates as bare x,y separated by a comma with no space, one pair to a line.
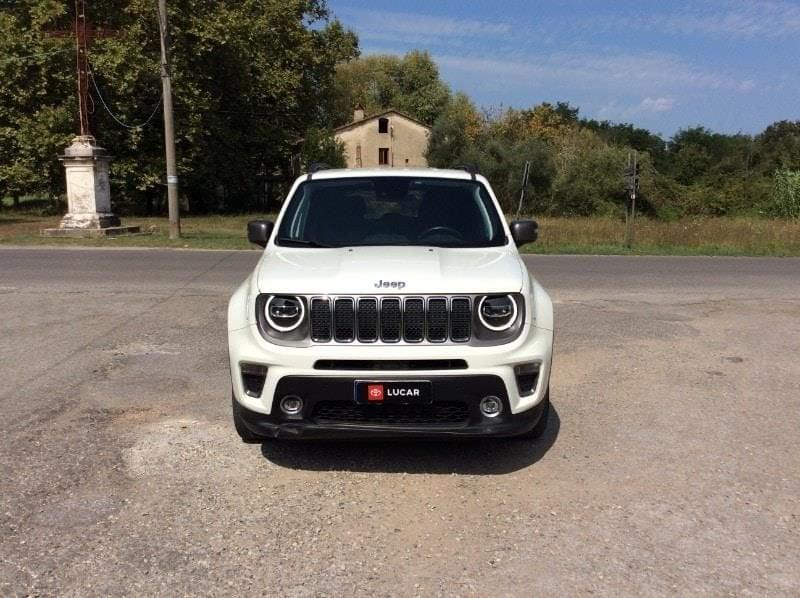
320,320
414,321
460,319
437,320
442,413
344,320
391,319
367,320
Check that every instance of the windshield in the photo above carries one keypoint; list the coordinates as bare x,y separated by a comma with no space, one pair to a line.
391,211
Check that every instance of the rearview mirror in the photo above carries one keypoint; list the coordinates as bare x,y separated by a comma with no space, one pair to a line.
258,231
524,231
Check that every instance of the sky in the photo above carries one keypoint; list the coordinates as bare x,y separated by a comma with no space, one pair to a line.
731,66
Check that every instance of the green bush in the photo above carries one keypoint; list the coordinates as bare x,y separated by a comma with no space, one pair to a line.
786,193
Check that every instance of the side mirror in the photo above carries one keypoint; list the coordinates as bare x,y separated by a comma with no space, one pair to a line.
524,231
258,231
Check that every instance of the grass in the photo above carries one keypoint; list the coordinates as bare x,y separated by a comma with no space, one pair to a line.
686,236
594,235
197,232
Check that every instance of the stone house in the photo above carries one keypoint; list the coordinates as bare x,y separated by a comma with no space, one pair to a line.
390,139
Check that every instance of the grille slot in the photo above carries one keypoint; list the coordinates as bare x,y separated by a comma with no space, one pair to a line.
320,320
460,319
391,320
367,320
344,320
414,320
441,413
437,320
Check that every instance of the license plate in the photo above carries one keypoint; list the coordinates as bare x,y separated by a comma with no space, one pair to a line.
405,392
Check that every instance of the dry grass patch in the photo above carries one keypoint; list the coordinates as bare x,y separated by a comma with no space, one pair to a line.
745,236
688,236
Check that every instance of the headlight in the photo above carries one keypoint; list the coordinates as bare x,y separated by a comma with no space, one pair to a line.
284,313
497,312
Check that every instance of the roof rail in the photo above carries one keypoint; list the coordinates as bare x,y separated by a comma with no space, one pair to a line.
470,168
316,167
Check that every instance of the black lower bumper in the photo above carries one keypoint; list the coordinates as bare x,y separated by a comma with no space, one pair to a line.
330,411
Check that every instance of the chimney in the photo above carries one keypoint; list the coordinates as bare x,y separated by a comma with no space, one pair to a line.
358,113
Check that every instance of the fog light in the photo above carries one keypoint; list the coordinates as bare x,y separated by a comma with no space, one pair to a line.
491,406
291,404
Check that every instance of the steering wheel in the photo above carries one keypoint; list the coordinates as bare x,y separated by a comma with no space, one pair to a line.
441,229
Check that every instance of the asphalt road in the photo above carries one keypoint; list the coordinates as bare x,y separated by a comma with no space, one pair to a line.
671,465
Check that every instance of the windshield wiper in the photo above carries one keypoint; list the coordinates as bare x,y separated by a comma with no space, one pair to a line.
299,242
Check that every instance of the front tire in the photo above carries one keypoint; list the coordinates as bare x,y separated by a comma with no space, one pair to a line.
244,432
536,431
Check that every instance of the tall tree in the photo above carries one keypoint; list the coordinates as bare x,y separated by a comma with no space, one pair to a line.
249,77
410,84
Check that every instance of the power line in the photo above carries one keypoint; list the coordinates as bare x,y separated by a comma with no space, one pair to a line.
114,116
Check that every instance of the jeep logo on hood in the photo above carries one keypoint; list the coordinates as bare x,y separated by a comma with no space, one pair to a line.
390,284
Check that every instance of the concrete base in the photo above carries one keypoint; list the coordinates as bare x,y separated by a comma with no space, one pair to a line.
90,220
83,233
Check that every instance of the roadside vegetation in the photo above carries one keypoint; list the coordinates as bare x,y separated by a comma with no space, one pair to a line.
576,234
259,90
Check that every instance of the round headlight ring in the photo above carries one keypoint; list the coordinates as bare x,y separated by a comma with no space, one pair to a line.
502,327
282,327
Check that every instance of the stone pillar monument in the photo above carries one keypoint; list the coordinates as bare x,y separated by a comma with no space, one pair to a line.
88,193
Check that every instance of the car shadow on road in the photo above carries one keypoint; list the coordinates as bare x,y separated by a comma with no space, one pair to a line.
491,456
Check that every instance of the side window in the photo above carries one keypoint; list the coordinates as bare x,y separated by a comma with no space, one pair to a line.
383,125
383,156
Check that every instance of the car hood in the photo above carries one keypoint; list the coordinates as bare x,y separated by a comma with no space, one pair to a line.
357,270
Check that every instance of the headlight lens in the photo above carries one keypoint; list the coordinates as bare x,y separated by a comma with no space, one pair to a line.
284,313
497,312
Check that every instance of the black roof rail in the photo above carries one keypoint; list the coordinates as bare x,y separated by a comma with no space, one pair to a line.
470,168
316,167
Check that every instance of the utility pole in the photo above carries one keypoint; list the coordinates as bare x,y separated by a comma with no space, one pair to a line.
525,174
169,129
632,186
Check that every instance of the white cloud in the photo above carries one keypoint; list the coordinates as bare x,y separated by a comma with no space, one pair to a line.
649,74
656,105
749,18
416,28
648,107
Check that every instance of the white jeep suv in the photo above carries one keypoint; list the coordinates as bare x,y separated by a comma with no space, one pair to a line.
390,303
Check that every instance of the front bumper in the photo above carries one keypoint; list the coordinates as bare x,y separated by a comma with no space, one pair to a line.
247,346
331,412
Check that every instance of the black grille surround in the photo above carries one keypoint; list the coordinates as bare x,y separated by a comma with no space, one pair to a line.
376,319
442,413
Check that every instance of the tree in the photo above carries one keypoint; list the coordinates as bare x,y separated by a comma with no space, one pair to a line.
36,101
321,146
589,178
779,146
410,84
630,136
545,121
454,134
249,77
786,193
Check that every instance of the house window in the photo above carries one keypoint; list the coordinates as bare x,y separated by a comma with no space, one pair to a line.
358,156
383,156
383,125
